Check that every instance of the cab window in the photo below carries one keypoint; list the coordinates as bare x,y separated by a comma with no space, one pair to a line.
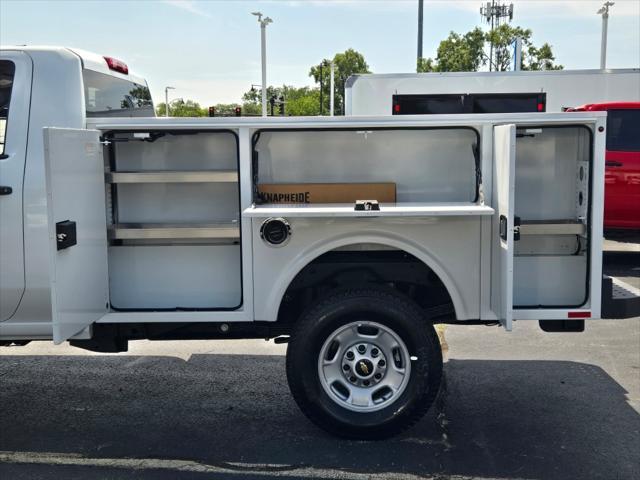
7,71
109,96
622,130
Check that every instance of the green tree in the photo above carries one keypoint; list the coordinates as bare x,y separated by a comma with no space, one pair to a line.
301,102
182,108
540,58
251,109
298,101
254,96
502,38
346,64
140,96
457,53
468,52
252,100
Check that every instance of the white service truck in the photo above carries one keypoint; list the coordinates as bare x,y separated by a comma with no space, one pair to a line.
116,229
487,92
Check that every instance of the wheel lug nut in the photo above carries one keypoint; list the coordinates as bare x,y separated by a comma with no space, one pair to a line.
381,363
350,355
366,383
378,376
374,352
352,379
346,368
362,348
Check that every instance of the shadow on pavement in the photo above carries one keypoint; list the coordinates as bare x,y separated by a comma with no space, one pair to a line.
626,264
495,419
624,236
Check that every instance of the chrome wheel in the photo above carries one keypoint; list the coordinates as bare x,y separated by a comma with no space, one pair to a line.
364,366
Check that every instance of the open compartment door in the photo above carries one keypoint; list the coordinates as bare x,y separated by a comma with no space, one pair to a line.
76,213
504,153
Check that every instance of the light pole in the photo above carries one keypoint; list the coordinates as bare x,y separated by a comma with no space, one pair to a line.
420,10
166,100
332,88
604,11
263,48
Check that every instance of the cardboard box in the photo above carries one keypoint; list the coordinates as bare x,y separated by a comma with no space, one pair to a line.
326,192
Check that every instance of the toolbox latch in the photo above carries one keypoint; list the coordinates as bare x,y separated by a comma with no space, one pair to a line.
65,234
366,205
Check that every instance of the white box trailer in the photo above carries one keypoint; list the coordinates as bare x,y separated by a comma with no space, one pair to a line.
487,92
151,228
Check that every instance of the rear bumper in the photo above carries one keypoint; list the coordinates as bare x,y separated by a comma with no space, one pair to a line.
619,300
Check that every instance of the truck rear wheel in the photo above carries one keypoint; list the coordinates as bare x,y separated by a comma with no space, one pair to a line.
364,363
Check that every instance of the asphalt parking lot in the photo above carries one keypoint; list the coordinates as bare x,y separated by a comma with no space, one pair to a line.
520,405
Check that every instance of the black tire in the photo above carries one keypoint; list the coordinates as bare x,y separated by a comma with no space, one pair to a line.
395,312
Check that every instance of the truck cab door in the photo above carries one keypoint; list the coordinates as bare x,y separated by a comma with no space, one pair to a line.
74,172
16,70
503,229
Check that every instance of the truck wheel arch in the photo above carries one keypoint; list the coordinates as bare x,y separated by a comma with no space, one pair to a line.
314,251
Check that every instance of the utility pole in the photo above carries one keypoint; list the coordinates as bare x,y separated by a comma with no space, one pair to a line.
420,15
604,11
493,12
333,88
166,100
517,55
321,85
263,51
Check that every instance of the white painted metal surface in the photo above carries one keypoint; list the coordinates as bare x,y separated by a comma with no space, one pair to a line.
460,209
549,280
12,281
97,63
371,94
58,104
75,191
503,232
174,276
597,218
48,103
454,239
450,246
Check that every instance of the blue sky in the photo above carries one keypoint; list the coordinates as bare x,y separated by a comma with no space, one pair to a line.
210,50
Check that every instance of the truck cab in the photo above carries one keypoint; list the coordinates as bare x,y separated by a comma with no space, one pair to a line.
39,87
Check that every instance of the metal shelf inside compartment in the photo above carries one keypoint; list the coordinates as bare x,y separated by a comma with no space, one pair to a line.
170,176
552,227
137,231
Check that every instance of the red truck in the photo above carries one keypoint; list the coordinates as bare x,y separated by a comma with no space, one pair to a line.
622,166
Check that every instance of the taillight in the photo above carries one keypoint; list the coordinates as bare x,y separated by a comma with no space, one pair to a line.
396,108
117,65
578,314
541,107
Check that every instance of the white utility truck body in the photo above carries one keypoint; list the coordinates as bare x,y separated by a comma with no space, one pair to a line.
374,94
152,228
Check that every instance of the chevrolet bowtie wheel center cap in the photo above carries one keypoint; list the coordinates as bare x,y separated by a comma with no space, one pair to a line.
364,365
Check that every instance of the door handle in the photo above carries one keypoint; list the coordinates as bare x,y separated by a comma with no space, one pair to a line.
613,163
503,228
4,190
